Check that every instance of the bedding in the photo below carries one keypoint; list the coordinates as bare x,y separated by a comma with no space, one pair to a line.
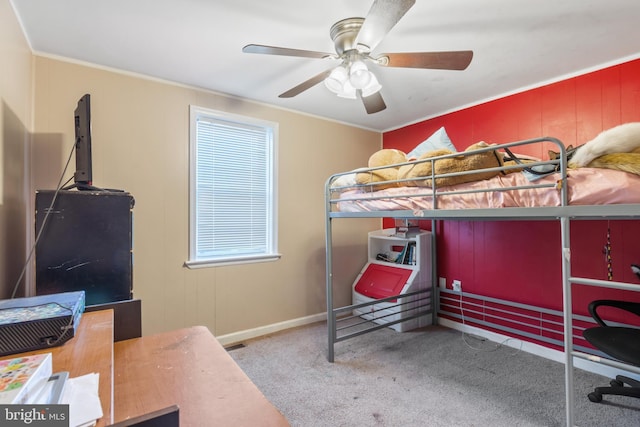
586,186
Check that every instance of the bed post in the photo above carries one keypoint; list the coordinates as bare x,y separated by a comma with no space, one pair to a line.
435,285
567,304
567,309
331,324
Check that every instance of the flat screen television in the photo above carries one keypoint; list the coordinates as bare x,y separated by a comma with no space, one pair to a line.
82,119
83,175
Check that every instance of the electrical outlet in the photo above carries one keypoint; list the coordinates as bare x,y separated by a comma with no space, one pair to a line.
457,286
442,282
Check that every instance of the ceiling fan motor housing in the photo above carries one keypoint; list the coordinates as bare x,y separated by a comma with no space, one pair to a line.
344,33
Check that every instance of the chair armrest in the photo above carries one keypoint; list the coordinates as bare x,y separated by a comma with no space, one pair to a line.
631,307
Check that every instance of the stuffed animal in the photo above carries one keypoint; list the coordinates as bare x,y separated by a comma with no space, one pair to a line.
626,162
387,156
422,171
624,138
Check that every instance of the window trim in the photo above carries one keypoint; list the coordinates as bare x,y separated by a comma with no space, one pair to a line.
273,254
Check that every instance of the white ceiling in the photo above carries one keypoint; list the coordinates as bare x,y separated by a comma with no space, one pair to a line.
516,44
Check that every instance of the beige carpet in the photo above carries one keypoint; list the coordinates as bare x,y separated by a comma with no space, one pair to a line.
431,377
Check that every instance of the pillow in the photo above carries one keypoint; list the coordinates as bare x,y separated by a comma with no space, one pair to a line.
437,141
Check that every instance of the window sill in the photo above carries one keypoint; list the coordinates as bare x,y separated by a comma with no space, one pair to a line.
231,261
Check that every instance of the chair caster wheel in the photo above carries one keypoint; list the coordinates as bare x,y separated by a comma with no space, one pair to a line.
595,397
616,383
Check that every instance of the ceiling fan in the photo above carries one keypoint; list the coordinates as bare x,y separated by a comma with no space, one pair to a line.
354,40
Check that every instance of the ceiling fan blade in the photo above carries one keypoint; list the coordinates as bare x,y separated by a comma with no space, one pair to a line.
305,85
272,50
373,103
456,60
382,17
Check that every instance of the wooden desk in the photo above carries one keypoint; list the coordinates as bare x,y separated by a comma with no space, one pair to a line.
90,350
189,368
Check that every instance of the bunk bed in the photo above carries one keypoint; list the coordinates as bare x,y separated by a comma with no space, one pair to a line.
562,195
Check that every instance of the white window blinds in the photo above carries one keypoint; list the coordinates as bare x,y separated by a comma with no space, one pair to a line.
232,179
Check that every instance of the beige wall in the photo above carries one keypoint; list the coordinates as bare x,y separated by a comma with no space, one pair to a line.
140,144
15,123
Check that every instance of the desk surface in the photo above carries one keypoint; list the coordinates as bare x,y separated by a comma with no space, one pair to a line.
189,368
90,350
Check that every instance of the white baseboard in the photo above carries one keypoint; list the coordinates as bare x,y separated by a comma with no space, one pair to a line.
537,349
236,337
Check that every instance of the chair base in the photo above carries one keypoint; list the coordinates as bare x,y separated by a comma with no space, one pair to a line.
617,387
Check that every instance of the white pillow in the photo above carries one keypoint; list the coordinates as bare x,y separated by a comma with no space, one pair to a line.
438,140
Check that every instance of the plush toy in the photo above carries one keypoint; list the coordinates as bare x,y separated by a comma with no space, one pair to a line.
382,157
624,138
626,162
422,171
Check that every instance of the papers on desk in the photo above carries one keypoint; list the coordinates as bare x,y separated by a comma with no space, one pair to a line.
81,394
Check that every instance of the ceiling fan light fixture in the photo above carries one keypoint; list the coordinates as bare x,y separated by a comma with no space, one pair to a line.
338,83
372,87
348,91
346,81
359,75
337,79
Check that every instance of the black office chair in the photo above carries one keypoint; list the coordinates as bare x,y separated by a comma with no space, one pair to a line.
621,343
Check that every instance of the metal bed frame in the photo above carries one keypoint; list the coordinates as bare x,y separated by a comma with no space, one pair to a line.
564,214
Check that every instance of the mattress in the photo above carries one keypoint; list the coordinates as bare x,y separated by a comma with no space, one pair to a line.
586,186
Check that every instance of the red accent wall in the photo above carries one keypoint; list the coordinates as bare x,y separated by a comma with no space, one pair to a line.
520,260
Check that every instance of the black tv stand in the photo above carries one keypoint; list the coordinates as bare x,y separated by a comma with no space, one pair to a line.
86,244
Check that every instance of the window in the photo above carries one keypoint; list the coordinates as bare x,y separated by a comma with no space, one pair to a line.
232,189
